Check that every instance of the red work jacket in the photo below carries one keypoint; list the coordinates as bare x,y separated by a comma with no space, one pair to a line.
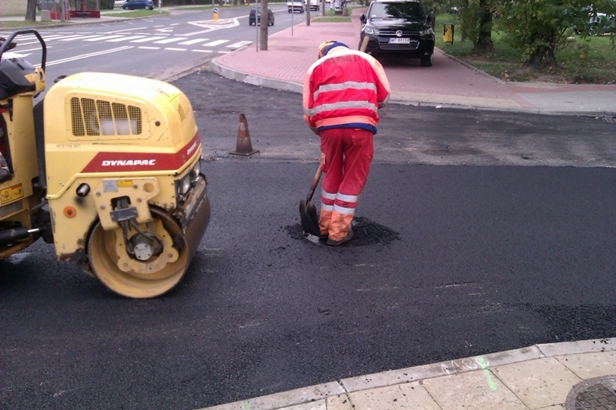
344,89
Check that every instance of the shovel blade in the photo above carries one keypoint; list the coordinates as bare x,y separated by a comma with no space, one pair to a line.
309,218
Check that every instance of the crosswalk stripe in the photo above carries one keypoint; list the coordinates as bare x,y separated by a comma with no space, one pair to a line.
75,38
170,40
239,44
215,43
60,38
117,40
103,38
145,40
195,41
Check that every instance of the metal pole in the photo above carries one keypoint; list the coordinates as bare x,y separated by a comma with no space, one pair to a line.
257,8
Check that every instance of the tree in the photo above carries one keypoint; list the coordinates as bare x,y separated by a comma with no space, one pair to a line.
476,18
540,28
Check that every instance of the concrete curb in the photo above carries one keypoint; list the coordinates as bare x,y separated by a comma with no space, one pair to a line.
313,397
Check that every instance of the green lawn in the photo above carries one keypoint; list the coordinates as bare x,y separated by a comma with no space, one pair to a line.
582,61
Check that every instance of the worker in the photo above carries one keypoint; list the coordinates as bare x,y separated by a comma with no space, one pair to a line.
343,91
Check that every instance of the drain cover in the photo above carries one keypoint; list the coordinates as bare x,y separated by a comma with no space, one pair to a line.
593,394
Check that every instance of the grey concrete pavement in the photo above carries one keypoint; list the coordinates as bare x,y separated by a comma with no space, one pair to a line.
570,376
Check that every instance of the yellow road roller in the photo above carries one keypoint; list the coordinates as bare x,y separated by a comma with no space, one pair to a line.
107,167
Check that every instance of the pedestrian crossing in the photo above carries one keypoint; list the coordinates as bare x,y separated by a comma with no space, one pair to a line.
142,41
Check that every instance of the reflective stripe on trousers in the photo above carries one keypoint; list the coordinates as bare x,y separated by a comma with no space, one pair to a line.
348,153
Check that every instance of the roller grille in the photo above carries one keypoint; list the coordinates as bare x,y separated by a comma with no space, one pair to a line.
93,118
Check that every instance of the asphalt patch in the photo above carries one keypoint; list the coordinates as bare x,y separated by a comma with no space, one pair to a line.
365,233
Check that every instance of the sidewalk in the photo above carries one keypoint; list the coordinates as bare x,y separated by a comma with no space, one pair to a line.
447,83
570,376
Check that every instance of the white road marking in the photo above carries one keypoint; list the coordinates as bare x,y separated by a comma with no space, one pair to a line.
117,40
69,38
239,44
148,48
214,43
82,56
170,40
10,54
145,40
202,51
175,49
77,38
195,41
103,38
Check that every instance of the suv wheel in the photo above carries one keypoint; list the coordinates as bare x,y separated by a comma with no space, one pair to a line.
426,61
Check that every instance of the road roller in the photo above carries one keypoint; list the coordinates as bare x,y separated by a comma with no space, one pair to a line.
106,167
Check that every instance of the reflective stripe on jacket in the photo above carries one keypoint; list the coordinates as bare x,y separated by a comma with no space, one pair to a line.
344,89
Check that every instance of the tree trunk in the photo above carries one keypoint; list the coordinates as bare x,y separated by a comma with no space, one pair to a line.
541,58
484,39
31,10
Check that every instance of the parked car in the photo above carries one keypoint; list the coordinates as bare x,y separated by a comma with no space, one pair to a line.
138,4
118,3
601,23
251,17
398,28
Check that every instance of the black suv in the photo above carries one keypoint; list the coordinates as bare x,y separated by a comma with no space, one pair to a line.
398,28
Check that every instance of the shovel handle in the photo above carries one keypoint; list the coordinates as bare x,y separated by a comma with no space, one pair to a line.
315,182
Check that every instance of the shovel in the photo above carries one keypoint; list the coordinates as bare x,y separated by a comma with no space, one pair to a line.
307,211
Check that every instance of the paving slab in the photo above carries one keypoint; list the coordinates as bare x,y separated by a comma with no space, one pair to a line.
477,390
407,396
538,383
590,365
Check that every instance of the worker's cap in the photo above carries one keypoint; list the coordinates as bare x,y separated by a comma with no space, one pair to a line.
326,46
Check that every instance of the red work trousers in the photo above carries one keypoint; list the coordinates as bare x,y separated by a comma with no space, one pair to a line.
346,157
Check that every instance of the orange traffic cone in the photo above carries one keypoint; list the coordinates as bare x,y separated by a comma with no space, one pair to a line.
243,145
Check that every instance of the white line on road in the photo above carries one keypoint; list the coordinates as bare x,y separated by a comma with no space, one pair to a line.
145,40
195,41
202,51
215,43
69,38
103,38
239,44
175,49
76,38
117,40
148,48
170,40
81,57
